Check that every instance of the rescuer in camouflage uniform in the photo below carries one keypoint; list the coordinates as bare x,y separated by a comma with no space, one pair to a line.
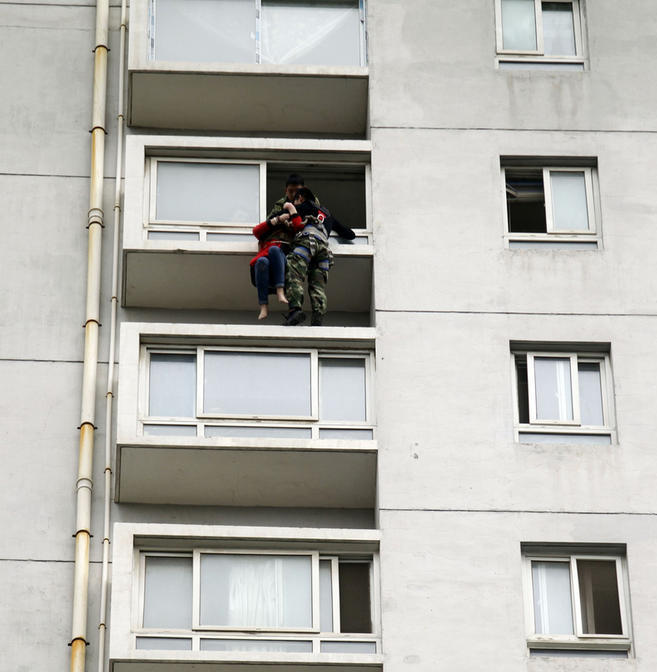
310,258
292,184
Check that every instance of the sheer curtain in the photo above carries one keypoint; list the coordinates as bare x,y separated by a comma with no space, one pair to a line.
247,591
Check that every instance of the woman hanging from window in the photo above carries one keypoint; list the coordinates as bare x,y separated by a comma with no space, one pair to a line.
268,266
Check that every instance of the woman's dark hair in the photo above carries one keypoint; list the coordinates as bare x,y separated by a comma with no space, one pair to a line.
294,178
306,194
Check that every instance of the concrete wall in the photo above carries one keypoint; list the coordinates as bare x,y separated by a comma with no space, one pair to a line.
457,494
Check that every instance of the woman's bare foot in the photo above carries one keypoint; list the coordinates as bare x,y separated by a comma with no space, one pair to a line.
264,312
280,295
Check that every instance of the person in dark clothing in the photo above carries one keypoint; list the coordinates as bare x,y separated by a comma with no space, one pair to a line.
310,257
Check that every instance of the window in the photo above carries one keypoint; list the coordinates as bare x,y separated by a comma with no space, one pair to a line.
550,208
276,393
252,600
562,397
221,200
328,32
575,600
535,34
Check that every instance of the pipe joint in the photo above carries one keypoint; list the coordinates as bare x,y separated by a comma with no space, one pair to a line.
84,326
84,483
100,46
95,216
78,640
98,128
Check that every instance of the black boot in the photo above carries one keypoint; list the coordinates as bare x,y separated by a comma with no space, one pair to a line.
316,319
294,316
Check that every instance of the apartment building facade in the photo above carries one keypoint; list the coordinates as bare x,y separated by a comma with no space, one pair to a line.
454,472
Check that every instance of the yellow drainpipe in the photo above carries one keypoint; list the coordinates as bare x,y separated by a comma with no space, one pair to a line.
84,481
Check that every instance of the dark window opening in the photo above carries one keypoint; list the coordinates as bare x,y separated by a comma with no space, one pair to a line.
598,591
523,388
355,598
525,201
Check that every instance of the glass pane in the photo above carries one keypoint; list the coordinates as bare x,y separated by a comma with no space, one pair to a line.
208,192
529,65
324,33
355,601
267,591
554,399
169,430
553,611
257,383
519,25
351,434
172,386
229,237
164,643
347,647
342,389
288,646
590,393
205,31
569,209
558,29
536,437
168,593
173,235
598,594
325,596
271,432
551,245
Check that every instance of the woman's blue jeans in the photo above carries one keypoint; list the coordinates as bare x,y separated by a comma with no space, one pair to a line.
269,273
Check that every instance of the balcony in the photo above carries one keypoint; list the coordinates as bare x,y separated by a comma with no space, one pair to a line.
191,205
224,66
174,606
191,431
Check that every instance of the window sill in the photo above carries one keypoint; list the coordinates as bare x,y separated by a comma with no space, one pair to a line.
564,242
540,435
580,643
540,63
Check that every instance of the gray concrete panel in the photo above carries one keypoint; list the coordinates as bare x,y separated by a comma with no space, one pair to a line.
452,588
439,225
433,65
448,441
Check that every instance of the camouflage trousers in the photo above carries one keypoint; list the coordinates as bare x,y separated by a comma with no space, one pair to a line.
310,258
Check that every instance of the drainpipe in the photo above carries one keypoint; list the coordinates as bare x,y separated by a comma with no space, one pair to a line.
84,482
109,395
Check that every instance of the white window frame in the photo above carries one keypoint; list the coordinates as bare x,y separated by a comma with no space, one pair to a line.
152,224
574,426
553,234
152,163
538,55
313,634
258,31
579,639
311,422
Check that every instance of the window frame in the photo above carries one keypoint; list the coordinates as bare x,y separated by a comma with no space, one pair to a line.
312,422
538,55
257,42
313,633
152,165
540,426
552,234
578,639
151,224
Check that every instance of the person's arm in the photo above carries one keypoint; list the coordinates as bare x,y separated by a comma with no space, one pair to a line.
263,229
342,231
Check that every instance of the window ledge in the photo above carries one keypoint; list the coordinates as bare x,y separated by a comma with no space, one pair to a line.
533,63
580,643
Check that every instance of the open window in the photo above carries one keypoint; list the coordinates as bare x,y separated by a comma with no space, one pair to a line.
221,200
326,32
576,600
563,397
255,392
538,34
550,207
